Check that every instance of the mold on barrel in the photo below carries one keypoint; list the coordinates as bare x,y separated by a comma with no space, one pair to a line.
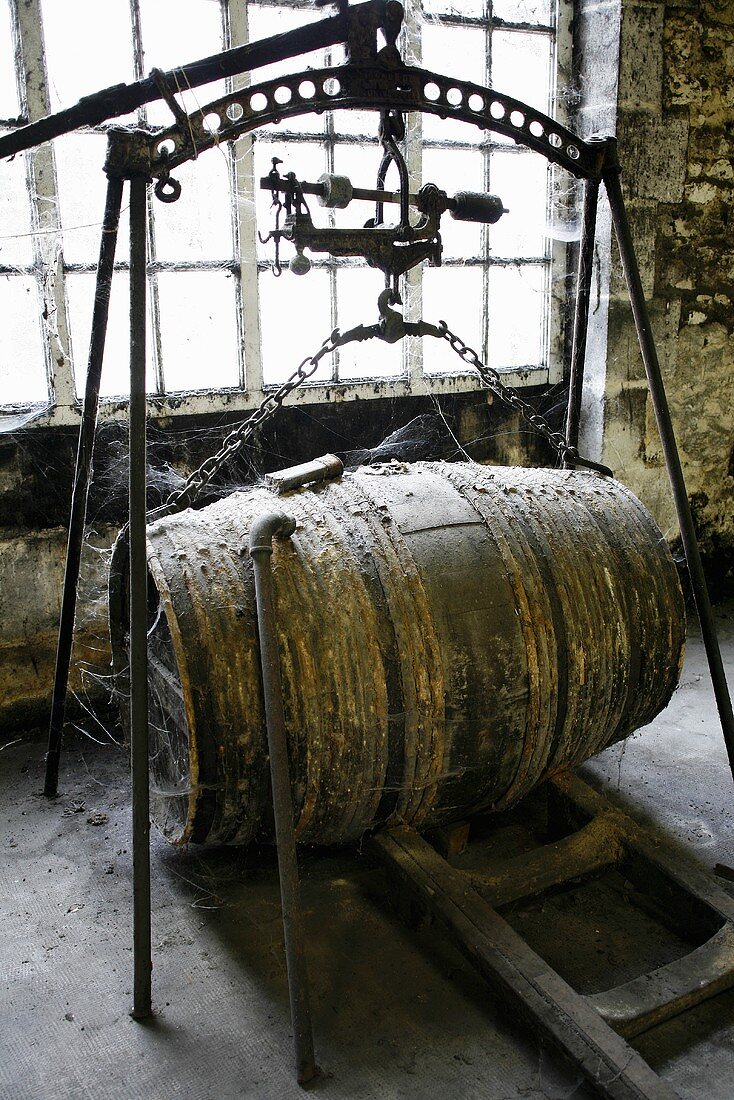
450,634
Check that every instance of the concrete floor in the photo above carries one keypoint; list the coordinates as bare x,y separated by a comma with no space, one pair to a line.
397,1014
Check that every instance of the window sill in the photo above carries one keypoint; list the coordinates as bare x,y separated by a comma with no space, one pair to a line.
232,401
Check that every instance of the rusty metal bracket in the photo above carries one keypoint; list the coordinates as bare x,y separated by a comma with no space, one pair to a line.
163,86
128,155
394,250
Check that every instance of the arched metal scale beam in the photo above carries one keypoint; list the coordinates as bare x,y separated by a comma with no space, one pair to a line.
361,87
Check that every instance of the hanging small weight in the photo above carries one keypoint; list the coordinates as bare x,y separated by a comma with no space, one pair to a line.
299,264
450,634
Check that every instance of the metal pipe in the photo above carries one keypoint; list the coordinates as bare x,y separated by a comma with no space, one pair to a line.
581,313
261,548
308,473
139,605
82,476
672,458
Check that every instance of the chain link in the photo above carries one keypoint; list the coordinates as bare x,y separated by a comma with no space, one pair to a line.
233,443
493,381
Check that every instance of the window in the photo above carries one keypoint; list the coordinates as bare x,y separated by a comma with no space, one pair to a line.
214,326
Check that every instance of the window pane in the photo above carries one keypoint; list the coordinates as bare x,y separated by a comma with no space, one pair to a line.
357,293
9,106
176,32
82,189
521,179
116,366
522,11
456,51
267,21
517,308
363,123
22,367
179,31
16,243
477,8
97,36
459,52
452,171
565,207
198,330
521,67
295,319
199,225
454,295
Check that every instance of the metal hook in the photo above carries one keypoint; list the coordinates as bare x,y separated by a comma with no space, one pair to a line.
276,233
167,189
274,177
392,130
391,323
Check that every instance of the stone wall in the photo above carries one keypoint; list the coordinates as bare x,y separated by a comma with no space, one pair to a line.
675,126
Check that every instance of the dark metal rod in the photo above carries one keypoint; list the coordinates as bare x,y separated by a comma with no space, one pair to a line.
139,606
261,549
369,194
672,458
487,208
581,312
82,476
120,99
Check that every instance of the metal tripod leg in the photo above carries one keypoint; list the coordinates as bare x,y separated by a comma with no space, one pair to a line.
672,458
581,314
82,477
139,606
261,548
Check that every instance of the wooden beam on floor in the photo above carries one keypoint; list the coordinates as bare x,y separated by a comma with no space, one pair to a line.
583,853
535,992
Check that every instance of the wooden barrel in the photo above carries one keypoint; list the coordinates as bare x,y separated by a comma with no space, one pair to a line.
450,634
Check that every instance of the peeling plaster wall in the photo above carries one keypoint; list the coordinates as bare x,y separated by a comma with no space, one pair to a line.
31,579
36,470
675,126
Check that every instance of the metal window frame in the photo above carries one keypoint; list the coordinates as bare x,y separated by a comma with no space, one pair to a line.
50,271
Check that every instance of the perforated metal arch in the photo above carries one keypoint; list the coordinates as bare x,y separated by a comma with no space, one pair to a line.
366,87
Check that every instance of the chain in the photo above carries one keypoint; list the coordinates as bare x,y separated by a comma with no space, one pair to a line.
567,454
233,443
